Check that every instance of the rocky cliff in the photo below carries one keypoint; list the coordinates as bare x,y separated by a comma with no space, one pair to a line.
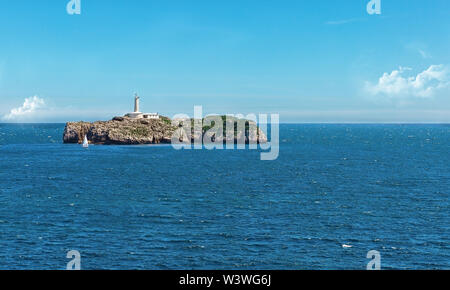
120,131
126,131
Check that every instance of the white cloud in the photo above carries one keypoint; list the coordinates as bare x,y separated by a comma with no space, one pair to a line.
38,110
27,110
423,53
424,85
419,48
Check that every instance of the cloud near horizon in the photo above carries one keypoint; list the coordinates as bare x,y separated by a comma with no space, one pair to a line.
40,110
426,84
28,109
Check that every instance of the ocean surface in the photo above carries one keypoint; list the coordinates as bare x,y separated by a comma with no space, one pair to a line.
335,193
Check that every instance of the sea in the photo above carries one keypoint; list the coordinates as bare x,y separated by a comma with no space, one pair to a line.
335,193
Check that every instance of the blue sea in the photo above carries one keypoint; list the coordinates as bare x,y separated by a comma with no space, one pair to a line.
335,193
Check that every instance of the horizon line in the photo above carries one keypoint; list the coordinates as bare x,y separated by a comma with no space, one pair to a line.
281,123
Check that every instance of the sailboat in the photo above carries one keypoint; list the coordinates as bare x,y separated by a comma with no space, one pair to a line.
85,142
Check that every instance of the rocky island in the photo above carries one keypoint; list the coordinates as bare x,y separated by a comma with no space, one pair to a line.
139,128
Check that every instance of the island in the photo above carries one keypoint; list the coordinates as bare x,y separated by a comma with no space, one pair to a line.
138,128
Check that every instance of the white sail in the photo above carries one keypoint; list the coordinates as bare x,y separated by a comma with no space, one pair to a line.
85,142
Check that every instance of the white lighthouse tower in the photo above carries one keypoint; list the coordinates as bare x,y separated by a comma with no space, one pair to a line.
136,103
137,114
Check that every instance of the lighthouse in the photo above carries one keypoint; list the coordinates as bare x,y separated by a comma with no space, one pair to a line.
136,103
137,114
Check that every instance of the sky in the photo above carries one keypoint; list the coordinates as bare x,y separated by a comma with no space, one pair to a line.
308,61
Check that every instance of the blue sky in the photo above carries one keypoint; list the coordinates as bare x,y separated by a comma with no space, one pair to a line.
309,61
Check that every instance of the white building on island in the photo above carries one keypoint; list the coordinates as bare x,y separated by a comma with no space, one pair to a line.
137,114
